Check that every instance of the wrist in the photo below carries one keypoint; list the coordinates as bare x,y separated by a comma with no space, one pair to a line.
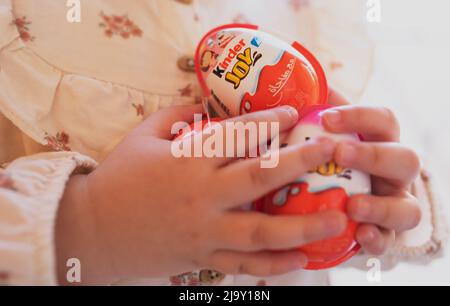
76,235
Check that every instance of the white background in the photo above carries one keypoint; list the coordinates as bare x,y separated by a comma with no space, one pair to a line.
411,76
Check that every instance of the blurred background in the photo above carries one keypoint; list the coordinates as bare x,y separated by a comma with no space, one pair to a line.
411,76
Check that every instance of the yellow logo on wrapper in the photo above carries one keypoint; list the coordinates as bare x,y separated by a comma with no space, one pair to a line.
242,67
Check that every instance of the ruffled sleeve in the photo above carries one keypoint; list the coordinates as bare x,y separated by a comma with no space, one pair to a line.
58,95
30,191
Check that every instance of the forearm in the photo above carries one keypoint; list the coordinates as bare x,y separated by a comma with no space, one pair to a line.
76,237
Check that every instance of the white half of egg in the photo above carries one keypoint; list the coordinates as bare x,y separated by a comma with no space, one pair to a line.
353,181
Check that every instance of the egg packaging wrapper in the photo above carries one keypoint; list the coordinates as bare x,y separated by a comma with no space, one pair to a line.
243,69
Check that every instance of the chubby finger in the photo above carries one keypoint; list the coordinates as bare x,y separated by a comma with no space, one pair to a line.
387,160
251,231
160,123
247,180
374,240
394,213
373,123
257,264
242,136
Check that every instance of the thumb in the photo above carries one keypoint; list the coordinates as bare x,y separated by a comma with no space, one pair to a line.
159,124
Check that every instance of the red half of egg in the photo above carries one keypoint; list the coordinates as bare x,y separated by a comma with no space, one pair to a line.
295,199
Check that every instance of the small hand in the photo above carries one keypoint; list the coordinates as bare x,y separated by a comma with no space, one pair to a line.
391,208
145,213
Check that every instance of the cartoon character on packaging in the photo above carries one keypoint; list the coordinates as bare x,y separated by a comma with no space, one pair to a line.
326,188
213,47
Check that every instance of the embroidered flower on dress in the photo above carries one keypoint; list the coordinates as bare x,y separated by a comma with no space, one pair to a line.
140,111
119,26
186,91
60,142
22,25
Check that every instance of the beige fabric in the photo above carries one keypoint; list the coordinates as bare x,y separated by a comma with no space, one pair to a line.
71,79
76,86
30,191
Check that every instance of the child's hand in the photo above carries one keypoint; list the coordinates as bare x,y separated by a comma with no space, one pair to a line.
393,167
144,213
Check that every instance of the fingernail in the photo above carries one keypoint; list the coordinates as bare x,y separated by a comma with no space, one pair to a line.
293,113
348,153
332,117
362,210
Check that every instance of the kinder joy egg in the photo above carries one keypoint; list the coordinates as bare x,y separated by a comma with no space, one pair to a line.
243,69
326,188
